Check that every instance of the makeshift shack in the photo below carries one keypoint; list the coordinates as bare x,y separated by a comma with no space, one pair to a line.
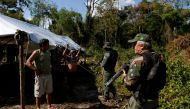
9,67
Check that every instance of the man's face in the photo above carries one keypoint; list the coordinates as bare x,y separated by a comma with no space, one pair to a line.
138,47
45,46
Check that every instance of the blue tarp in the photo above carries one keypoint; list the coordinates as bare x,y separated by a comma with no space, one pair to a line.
10,25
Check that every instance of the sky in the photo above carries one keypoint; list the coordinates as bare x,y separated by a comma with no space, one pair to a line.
75,5
79,5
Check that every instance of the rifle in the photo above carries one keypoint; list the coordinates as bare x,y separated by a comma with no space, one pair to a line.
124,67
98,64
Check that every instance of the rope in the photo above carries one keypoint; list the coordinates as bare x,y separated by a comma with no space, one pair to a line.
86,69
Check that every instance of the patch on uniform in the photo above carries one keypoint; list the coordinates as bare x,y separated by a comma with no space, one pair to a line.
133,75
133,72
134,69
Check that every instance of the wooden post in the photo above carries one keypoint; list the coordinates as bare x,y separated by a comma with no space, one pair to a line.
21,37
22,76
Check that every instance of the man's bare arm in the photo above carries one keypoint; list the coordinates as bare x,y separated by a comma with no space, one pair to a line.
78,52
66,48
30,60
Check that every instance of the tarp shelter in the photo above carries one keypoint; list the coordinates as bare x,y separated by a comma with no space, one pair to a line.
8,27
8,67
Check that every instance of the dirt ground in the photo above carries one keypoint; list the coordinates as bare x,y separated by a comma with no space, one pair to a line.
13,103
84,93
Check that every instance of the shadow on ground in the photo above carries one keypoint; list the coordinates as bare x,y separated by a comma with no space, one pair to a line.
71,91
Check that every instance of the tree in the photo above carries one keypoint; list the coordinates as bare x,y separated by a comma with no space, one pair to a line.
178,4
68,23
40,10
107,20
13,8
89,22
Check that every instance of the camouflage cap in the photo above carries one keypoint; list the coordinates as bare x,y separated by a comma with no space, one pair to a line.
140,37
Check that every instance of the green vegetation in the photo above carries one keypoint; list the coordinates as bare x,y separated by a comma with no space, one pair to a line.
175,95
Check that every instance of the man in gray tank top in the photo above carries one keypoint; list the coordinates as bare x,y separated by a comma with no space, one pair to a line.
40,62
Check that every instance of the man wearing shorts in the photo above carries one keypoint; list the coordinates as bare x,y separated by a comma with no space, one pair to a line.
40,62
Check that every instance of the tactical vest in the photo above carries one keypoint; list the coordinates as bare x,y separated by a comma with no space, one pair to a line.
109,60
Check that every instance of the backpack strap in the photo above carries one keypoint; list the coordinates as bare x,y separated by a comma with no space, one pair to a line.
153,71
155,61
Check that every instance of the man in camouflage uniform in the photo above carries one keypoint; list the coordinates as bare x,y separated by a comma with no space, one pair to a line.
136,77
108,63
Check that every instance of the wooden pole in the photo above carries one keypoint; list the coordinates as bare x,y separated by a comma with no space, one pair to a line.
21,37
22,77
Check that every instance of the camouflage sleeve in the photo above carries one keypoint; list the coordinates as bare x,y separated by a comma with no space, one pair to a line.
133,74
105,59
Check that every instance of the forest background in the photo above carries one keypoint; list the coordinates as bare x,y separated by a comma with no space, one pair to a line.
166,21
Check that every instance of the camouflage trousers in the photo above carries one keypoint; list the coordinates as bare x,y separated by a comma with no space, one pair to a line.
147,104
110,89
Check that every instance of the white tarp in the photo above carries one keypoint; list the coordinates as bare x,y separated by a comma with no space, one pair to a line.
10,25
